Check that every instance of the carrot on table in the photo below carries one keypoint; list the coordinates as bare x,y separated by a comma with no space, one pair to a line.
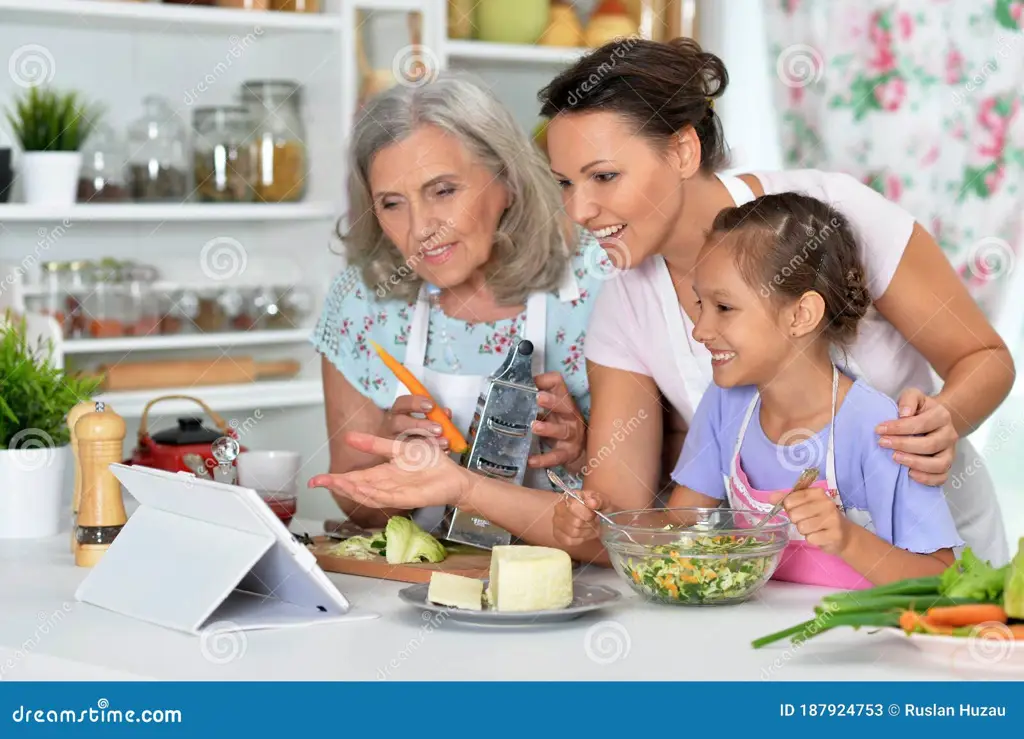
456,441
914,622
968,614
1000,632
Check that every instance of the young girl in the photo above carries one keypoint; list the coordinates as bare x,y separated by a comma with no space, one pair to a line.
780,287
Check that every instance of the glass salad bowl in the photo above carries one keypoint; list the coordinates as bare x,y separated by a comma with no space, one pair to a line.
694,556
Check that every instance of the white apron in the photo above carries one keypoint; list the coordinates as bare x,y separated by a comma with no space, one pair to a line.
969,490
801,562
460,392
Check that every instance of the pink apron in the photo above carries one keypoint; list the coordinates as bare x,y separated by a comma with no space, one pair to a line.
801,562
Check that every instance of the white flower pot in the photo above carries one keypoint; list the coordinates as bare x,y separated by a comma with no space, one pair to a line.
31,491
50,177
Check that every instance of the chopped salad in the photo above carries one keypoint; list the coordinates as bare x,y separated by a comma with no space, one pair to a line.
685,573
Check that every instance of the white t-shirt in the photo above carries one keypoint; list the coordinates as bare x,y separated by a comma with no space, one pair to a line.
637,326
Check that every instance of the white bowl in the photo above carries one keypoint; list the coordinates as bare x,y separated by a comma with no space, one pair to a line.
271,471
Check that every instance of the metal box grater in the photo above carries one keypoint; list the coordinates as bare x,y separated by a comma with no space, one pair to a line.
500,439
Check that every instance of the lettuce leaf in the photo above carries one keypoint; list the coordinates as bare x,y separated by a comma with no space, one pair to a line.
973,577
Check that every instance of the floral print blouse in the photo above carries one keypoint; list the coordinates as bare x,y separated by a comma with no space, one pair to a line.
353,314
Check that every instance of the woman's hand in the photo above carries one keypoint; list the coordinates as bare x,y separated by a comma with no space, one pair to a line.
574,523
923,439
418,474
817,518
399,423
561,422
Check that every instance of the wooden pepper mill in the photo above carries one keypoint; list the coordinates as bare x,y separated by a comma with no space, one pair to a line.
73,417
101,511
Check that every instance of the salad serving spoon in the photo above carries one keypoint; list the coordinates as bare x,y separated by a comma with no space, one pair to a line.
807,478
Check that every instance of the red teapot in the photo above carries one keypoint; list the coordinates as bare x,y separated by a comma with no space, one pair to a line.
166,449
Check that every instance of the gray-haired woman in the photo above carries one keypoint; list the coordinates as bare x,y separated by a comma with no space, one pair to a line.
457,248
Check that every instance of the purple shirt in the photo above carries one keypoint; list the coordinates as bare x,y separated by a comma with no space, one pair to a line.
906,513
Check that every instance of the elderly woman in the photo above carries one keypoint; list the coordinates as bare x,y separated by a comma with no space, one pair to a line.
458,249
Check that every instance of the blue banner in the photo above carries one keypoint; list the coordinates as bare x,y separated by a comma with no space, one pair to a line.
398,709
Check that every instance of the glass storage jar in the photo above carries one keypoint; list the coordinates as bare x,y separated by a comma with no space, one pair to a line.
158,163
104,159
76,290
142,301
279,139
105,306
180,313
224,165
50,301
245,4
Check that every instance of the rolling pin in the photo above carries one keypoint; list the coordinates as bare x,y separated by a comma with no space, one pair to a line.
189,372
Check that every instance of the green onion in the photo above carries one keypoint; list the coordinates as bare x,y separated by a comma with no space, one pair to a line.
914,586
825,622
890,602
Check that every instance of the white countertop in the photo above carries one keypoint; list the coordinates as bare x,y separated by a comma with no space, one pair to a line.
45,635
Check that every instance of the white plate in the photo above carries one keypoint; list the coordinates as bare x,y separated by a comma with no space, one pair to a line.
968,653
585,598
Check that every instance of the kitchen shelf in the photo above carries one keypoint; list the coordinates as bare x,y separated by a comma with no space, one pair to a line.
223,398
526,53
160,212
134,16
186,341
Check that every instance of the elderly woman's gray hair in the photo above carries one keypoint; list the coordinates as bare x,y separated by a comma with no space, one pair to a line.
532,245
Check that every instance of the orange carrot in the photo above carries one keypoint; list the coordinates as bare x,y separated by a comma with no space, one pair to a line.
913,622
1000,632
456,442
967,614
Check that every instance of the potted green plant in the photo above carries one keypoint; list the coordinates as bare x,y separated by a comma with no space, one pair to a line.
51,127
35,397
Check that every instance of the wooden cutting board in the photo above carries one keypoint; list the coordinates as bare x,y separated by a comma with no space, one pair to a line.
467,565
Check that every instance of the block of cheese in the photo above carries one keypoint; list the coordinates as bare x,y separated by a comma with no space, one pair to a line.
456,591
528,578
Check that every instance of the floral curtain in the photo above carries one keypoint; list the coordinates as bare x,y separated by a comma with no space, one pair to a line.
921,99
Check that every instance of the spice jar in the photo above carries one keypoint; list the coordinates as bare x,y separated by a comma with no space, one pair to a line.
223,162
104,157
298,6
143,302
105,306
76,290
279,140
180,316
51,301
158,163
210,317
